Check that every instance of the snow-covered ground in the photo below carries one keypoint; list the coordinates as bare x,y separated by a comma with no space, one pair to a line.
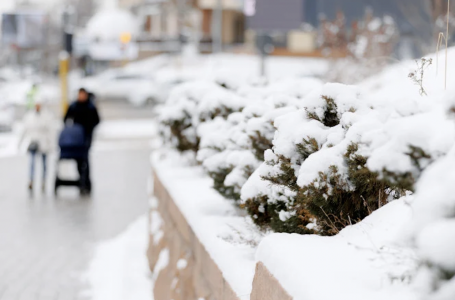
119,268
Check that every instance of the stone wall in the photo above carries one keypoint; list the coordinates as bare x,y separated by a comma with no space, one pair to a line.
188,273
267,287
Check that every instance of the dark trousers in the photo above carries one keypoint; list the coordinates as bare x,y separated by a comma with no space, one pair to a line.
83,167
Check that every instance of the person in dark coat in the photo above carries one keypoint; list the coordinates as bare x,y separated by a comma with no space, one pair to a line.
84,112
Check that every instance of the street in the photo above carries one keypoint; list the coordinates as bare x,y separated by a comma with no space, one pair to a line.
47,241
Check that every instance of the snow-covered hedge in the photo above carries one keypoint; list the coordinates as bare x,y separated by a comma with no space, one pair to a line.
303,157
194,103
315,179
229,136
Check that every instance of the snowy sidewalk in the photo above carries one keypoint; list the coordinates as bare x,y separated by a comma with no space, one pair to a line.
48,243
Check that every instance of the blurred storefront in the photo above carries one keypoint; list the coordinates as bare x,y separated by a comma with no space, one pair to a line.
233,23
166,24
285,24
311,27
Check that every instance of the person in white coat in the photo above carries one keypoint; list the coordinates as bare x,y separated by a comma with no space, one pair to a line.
38,132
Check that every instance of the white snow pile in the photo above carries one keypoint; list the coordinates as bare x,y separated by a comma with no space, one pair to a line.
432,230
119,268
363,172
361,262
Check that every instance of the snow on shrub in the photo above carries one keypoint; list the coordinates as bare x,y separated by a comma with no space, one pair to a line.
224,154
315,178
229,126
401,155
306,158
232,149
433,229
191,104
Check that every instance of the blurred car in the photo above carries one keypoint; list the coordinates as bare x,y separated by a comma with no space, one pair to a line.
168,80
119,84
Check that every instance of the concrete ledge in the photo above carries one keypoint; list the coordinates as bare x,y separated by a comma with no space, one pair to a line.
190,272
266,286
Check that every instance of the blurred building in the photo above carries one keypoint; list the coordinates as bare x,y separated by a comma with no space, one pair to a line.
298,27
30,38
296,24
33,30
165,24
285,23
233,23
158,19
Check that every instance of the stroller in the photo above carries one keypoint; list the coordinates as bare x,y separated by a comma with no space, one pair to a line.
73,146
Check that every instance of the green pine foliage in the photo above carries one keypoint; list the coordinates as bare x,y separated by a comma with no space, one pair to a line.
286,177
219,177
259,210
266,216
179,128
259,144
337,201
297,223
307,147
266,213
183,141
330,118
221,111
406,181
333,201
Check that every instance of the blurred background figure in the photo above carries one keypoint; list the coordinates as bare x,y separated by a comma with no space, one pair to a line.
32,96
84,112
38,133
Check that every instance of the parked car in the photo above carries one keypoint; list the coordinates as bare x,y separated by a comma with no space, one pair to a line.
118,84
